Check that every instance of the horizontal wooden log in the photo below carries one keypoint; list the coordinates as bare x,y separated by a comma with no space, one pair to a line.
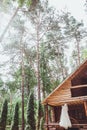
57,125
76,100
85,106
78,86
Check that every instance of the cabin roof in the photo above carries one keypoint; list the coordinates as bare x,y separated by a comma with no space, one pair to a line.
54,97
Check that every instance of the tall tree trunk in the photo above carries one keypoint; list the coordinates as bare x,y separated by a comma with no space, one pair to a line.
78,50
60,62
38,75
22,76
9,23
22,87
38,80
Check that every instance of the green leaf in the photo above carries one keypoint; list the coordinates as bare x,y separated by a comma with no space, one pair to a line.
21,2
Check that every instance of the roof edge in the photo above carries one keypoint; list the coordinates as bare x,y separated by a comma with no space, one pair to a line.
70,76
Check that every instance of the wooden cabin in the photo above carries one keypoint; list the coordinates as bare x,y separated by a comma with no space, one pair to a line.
73,92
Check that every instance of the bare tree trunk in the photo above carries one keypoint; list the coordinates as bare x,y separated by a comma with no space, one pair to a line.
78,50
23,77
38,80
9,23
60,62
38,74
22,92
38,69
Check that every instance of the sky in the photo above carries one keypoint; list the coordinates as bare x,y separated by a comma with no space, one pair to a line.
76,7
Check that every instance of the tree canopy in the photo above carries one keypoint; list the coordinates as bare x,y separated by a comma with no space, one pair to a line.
41,47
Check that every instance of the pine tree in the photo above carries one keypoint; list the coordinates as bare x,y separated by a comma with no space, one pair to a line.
4,115
30,113
75,33
42,123
16,118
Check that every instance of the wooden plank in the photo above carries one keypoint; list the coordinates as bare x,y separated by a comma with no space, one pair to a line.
78,86
62,96
61,91
46,116
69,101
56,124
82,98
85,105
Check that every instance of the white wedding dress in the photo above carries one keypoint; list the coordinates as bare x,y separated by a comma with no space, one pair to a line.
64,118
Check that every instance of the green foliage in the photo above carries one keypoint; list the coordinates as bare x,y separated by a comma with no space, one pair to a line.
74,33
10,113
44,70
28,3
27,127
4,115
56,83
3,90
11,106
16,118
84,54
21,2
30,113
40,114
1,82
73,28
42,124
12,85
40,108
52,37
30,78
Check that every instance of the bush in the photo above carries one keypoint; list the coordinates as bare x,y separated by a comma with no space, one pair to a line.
16,118
30,113
4,115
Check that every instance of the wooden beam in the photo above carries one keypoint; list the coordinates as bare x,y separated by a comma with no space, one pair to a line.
69,101
79,86
52,114
85,106
46,116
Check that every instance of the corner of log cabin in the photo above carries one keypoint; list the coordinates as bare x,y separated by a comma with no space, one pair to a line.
72,91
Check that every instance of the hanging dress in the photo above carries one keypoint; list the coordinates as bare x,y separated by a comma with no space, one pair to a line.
64,118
